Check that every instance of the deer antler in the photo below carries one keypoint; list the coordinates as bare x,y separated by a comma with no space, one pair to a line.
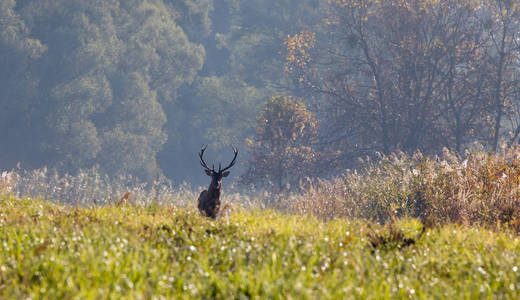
235,150
202,162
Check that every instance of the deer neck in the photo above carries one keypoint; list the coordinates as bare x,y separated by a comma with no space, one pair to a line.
214,189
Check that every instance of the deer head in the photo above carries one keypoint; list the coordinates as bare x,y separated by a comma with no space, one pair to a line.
216,176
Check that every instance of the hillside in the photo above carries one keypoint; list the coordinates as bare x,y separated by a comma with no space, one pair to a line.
144,252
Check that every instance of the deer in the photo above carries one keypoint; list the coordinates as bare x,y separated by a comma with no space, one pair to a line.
209,200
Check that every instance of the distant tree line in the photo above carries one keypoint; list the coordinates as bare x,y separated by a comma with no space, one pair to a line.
137,87
406,75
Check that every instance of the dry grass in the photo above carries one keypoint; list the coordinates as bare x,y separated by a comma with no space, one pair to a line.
481,188
478,189
90,187
6,182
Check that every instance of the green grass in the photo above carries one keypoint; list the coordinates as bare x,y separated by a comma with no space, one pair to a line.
51,251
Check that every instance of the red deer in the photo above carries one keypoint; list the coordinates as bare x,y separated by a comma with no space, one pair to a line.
209,200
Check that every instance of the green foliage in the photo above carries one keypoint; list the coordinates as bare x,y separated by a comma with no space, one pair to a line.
18,88
230,108
116,83
100,85
243,68
52,251
283,151
251,47
14,32
194,17
219,111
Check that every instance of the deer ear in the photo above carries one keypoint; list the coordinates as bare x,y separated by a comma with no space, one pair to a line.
208,172
225,174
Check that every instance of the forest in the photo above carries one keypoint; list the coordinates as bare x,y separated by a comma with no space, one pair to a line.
303,88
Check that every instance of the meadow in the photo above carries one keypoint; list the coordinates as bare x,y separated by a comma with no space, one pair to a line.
314,244
146,252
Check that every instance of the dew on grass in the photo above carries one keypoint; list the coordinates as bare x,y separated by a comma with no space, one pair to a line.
481,271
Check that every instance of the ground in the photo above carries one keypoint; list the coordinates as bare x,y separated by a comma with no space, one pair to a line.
145,252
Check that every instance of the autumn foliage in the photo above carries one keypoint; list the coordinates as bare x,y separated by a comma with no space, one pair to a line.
480,189
283,151
403,75
298,52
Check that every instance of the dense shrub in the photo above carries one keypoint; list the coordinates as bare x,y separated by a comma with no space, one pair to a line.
481,188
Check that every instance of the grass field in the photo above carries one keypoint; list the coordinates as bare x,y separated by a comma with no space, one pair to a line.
146,252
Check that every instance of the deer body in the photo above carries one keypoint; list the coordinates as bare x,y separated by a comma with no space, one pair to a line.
209,200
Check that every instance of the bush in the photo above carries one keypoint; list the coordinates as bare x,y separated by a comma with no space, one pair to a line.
482,189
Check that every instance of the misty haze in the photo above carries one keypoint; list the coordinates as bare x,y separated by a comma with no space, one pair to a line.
301,149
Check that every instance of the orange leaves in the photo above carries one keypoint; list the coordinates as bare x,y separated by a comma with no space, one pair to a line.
298,50
283,151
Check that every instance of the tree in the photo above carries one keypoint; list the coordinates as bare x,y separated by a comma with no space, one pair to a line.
284,150
219,111
502,52
19,97
194,16
257,31
97,92
242,69
396,75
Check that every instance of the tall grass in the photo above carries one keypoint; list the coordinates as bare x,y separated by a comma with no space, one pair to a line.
90,187
6,182
481,188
